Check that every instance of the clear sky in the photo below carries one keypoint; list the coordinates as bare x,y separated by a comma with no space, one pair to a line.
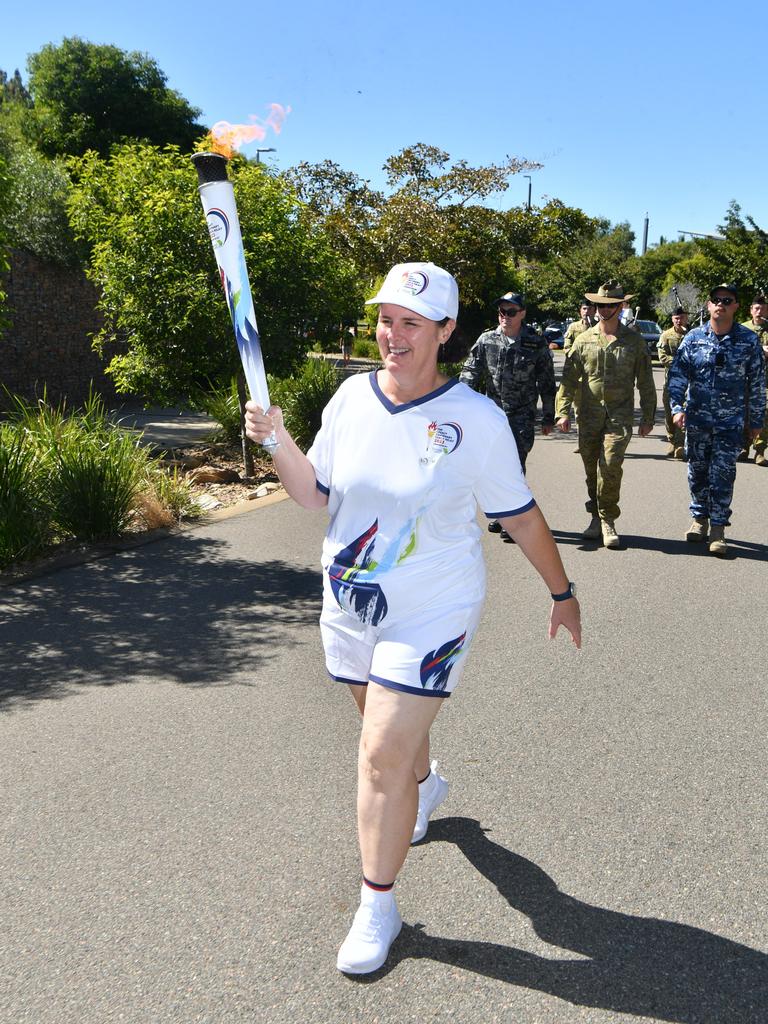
654,107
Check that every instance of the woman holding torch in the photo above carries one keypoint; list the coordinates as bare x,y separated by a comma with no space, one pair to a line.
402,459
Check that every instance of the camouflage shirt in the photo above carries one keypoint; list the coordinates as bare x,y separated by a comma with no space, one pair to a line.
761,330
514,373
711,378
604,374
668,344
573,330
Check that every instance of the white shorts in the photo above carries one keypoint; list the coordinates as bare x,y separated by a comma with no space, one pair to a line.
424,654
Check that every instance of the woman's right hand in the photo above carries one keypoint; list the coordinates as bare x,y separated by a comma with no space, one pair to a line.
260,425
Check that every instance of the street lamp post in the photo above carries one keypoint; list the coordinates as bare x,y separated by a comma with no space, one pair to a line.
528,207
268,149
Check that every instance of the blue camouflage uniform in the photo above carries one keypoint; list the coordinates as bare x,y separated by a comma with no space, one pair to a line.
714,381
514,373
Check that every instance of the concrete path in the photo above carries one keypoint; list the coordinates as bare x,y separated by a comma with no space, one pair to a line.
177,783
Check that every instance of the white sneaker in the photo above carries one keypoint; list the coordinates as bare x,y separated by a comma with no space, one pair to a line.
432,792
375,927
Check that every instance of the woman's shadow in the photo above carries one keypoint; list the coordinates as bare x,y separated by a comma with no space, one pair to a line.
637,965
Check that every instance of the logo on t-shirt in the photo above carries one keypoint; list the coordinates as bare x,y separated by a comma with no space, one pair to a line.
443,438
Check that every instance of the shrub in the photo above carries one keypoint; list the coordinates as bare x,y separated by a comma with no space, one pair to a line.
221,403
95,481
363,349
24,514
303,398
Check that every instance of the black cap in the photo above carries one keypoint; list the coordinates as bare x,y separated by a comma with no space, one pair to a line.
515,297
761,299
679,311
725,288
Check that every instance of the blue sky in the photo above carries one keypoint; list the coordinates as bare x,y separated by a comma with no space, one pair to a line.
653,107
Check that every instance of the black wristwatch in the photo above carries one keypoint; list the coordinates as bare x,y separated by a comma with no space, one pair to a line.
567,594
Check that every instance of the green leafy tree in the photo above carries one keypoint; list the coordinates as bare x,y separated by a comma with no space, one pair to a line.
5,266
739,257
161,292
343,203
557,284
35,217
648,276
89,96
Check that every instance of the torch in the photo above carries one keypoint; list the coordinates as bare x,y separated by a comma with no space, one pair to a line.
218,199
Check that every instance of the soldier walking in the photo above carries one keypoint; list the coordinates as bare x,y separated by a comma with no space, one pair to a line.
585,321
758,323
512,365
668,344
716,379
603,366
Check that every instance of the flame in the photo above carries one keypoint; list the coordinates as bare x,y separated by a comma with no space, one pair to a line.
227,138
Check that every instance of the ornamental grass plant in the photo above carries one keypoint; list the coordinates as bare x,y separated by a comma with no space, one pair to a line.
78,477
24,514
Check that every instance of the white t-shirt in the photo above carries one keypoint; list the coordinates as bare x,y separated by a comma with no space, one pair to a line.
403,485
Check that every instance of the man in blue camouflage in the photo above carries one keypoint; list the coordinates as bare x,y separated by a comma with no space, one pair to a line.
717,377
512,365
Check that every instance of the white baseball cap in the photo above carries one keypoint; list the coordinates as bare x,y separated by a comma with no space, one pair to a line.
421,287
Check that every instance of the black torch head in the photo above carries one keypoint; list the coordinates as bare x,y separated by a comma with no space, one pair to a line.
210,167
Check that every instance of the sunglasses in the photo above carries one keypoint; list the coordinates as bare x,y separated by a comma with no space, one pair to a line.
509,311
720,301
607,305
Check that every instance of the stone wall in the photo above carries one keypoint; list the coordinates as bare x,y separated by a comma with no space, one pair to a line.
48,344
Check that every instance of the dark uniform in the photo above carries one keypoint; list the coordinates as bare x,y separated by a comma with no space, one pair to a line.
716,382
514,373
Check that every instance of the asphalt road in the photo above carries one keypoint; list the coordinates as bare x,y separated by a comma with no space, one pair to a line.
177,784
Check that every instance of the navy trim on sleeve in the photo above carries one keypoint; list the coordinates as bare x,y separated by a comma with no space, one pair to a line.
322,488
516,512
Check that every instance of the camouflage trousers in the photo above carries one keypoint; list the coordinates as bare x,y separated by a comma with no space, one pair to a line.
675,435
523,430
602,452
712,458
760,443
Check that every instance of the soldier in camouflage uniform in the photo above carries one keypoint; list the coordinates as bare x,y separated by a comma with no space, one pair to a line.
758,323
512,364
585,321
717,377
668,344
603,366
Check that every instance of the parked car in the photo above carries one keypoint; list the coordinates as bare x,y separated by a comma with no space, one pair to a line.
651,331
555,334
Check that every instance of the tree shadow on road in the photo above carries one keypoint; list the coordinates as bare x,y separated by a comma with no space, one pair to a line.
183,609
635,965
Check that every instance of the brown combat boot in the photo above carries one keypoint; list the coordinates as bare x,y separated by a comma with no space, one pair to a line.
670,452
717,545
760,459
610,537
697,531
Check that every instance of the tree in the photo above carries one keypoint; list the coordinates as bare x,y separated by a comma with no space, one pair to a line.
161,291
35,216
5,266
648,275
343,203
740,257
557,284
89,96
